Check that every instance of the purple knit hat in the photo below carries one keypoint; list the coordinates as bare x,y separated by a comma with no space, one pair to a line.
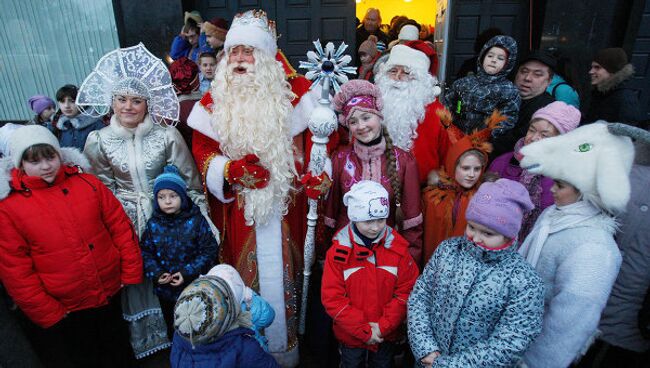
564,117
500,206
357,94
38,103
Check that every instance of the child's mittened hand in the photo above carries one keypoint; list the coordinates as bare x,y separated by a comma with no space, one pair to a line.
176,279
164,278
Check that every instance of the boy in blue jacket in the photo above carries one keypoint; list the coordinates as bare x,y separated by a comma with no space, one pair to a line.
177,244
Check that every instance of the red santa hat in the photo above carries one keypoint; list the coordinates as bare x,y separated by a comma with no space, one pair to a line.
253,28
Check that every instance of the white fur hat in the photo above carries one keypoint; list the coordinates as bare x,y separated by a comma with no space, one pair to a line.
409,57
590,158
27,136
252,28
367,200
409,33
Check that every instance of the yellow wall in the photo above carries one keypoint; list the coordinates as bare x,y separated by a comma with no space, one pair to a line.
422,11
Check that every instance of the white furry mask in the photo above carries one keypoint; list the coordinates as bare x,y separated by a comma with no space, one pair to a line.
590,158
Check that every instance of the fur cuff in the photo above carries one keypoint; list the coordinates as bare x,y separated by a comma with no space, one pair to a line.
215,180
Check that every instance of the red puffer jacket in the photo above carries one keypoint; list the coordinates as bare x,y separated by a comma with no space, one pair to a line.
64,246
361,286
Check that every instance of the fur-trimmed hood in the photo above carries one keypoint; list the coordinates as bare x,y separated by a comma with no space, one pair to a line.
69,156
616,79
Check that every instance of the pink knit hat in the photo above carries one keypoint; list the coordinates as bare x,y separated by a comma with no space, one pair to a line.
500,206
564,117
357,94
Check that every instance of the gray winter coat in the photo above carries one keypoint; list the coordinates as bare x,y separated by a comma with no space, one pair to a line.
476,307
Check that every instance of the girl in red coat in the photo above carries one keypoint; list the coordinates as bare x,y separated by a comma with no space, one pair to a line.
368,277
66,250
372,156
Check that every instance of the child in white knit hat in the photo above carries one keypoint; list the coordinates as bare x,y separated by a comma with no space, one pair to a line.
367,279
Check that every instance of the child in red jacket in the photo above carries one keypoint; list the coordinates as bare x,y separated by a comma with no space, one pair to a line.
368,277
66,250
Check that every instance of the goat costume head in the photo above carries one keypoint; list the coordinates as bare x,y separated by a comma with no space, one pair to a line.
591,158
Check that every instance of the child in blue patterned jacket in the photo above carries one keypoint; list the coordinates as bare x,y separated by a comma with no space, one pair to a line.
478,302
177,244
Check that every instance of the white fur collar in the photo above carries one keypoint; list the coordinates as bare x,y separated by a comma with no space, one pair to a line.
141,130
69,155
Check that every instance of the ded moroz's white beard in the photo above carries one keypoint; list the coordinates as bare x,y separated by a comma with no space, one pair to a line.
252,116
405,103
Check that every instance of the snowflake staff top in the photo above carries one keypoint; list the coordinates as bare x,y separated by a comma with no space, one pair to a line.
328,66
132,71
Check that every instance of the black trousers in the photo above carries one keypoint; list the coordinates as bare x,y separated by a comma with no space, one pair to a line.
96,337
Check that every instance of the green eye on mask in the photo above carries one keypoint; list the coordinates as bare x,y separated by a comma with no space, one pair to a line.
585,147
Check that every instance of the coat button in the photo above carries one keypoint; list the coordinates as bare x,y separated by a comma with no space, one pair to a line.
644,208
91,246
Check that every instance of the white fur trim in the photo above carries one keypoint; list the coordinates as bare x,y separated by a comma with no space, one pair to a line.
199,120
347,273
250,35
72,156
214,178
268,238
302,112
409,57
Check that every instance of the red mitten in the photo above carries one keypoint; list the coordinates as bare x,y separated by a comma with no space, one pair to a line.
247,173
316,186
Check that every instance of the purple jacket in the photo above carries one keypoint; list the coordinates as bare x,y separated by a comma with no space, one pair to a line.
539,188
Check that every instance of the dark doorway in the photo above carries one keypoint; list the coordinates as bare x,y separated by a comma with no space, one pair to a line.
299,22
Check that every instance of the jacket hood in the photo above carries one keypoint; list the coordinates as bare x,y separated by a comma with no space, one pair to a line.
69,156
78,122
616,79
506,42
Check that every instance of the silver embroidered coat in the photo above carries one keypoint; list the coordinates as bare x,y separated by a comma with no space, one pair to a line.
129,160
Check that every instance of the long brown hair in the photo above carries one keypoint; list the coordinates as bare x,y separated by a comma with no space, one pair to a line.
393,176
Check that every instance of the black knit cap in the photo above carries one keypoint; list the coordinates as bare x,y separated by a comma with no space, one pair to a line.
541,56
612,59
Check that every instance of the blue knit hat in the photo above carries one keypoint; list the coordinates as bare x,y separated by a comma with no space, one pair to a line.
170,179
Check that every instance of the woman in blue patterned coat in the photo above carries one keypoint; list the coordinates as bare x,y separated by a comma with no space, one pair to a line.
478,303
177,244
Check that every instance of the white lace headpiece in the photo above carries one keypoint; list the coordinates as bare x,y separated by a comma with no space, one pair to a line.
132,71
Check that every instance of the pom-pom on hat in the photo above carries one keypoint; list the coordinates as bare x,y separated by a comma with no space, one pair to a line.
170,179
253,28
367,200
205,310
500,206
216,27
409,32
357,94
38,103
564,117
185,75
27,136
612,59
409,57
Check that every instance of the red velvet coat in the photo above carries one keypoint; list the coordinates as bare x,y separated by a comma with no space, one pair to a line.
64,247
430,147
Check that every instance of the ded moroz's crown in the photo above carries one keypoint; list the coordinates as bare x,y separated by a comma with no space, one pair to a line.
253,28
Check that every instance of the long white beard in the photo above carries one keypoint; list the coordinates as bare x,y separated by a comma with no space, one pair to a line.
251,116
404,104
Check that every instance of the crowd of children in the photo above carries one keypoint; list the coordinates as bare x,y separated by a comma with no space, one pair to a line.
109,254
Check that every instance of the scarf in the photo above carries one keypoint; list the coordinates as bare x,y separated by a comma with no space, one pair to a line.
553,220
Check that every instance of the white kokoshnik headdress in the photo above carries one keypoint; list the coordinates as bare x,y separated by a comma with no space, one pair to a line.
131,71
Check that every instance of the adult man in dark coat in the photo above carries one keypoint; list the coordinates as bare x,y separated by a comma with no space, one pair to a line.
533,77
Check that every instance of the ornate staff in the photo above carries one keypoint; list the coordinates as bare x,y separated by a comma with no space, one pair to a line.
328,68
